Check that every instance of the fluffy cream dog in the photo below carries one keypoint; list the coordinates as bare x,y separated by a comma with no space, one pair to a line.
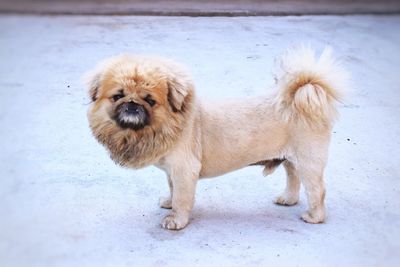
144,112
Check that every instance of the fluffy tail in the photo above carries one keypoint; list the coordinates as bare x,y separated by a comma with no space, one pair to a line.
309,87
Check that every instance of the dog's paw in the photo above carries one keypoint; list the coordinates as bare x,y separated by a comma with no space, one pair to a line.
174,222
165,202
314,217
286,200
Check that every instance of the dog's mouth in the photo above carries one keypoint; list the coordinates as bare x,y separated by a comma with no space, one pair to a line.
131,115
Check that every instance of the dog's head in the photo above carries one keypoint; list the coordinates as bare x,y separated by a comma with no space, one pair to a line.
136,100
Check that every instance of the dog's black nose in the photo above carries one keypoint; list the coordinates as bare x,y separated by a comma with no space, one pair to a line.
131,115
132,108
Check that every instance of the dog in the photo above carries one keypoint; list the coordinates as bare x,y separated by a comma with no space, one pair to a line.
145,112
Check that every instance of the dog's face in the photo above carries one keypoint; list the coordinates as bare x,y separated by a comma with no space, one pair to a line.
138,102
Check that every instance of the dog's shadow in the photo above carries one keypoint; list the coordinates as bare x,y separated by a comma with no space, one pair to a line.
243,216
220,221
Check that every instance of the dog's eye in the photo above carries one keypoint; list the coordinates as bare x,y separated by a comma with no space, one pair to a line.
150,101
117,97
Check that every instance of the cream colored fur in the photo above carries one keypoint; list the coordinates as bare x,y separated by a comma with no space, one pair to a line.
293,125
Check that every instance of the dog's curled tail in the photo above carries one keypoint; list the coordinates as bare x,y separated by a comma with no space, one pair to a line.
309,87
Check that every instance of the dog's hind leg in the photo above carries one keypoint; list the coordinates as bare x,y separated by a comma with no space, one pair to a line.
291,194
311,174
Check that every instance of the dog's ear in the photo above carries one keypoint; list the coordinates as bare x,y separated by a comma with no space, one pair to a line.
177,92
92,80
180,88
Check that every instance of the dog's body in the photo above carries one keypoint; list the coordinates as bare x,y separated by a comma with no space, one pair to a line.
226,131
191,140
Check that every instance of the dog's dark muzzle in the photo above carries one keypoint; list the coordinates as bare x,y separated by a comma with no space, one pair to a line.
131,115
132,108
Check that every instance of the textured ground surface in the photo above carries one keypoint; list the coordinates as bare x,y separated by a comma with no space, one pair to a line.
64,203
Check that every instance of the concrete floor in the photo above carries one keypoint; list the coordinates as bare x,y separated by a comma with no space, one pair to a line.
64,203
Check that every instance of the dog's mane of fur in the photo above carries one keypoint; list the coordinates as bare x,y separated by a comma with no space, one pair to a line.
140,148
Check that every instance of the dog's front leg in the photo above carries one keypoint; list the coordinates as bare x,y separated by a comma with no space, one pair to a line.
184,183
166,202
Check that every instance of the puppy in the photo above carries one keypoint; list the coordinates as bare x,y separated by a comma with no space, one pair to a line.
145,112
